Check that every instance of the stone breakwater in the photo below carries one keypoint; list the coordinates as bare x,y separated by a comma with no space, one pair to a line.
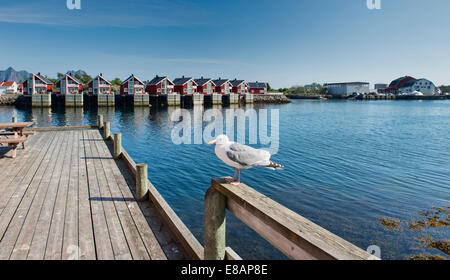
270,98
9,99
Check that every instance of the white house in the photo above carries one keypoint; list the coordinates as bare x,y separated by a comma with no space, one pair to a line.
346,89
8,87
426,87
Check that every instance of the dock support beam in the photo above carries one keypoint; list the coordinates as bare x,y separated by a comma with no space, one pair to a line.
215,225
14,119
107,130
141,182
117,145
100,121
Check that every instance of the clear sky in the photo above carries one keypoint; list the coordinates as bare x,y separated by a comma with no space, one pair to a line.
283,42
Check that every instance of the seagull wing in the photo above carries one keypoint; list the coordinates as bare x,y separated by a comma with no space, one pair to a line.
247,156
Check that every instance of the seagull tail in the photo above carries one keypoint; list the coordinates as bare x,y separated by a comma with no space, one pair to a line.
273,166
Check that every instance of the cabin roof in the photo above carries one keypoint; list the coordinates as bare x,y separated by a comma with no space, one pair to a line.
220,81
236,82
182,81
257,85
129,78
158,79
202,81
44,79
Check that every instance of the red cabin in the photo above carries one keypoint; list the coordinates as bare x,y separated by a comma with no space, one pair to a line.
239,86
68,85
223,86
205,86
257,88
37,84
159,85
132,85
185,86
99,85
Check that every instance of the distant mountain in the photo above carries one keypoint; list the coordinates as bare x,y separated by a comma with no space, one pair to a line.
12,75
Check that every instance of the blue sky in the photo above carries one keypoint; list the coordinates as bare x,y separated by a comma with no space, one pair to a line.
283,42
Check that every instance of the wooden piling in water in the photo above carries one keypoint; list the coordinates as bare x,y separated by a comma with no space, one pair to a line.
100,121
215,225
107,130
117,145
14,119
141,182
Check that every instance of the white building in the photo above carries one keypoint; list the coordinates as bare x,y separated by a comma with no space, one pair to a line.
347,89
8,87
426,87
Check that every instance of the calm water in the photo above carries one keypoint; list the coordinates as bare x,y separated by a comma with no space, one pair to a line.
347,164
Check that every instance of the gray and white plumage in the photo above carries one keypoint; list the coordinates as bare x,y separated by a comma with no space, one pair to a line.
241,156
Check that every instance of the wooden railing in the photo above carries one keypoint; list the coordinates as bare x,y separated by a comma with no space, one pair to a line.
292,234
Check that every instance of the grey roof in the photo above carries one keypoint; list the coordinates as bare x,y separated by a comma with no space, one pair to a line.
236,82
181,81
347,83
257,85
220,81
101,77
73,78
202,81
44,79
131,76
156,80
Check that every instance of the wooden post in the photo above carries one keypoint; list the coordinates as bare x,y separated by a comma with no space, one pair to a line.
215,225
100,121
14,119
107,130
117,145
141,182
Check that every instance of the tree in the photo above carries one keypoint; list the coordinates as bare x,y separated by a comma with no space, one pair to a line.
60,75
116,82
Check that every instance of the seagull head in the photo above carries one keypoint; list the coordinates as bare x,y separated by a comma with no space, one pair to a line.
220,140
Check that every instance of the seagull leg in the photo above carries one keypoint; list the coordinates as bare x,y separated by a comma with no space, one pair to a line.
234,177
238,182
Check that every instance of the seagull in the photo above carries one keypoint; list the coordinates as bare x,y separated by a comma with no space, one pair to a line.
241,157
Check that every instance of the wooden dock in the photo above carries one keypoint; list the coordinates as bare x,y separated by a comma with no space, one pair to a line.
76,194
65,197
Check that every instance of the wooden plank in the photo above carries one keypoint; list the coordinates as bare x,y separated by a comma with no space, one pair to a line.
231,255
295,236
39,242
11,168
134,240
57,128
118,239
23,242
70,249
183,235
120,188
16,222
53,251
102,239
85,230
22,181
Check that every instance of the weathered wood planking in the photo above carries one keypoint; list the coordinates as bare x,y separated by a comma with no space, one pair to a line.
129,213
22,208
183,235
23,242
65,197
295,236
39,242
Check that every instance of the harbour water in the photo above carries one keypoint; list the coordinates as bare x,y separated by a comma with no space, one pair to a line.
346,165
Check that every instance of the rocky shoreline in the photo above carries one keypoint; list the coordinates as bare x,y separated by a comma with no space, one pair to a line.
271,98
9,99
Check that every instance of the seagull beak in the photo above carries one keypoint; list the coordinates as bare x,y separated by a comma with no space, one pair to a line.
212,142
